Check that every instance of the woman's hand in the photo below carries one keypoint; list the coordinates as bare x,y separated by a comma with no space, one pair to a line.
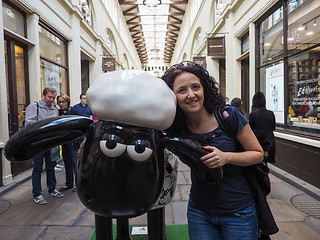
252,152
80,148
215,158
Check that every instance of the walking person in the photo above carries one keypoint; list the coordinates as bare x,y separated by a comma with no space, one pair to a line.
263,120
69,158
36,111
226,210
237,104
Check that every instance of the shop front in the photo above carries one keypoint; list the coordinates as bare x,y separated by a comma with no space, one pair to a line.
288,72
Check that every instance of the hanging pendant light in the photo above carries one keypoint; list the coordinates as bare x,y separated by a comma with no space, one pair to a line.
151,3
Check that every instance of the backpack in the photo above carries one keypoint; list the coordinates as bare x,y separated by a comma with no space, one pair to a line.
261,170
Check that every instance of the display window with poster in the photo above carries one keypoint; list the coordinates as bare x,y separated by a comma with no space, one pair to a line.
288,66
53,60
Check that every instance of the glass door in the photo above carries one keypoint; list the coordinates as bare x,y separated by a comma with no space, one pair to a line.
17,92
17,100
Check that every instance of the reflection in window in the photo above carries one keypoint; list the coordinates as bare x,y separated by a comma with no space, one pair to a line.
52,47
294,4
271,34
245,43
53,61
303,29
111,44
13,20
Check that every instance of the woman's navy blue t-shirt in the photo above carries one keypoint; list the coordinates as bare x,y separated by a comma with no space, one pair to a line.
232,193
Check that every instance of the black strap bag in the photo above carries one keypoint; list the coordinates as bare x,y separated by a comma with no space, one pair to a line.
259,182
261,170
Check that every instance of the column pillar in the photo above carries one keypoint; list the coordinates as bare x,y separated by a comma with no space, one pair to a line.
5,167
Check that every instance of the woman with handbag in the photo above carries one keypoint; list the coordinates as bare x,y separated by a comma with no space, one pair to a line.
226,210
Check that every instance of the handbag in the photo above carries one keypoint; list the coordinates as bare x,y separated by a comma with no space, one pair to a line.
260,171
55,154
259,182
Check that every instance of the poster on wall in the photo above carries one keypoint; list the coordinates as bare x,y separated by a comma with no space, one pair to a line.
275,91
51,76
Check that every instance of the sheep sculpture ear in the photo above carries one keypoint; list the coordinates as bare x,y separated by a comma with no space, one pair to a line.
190,151
44,135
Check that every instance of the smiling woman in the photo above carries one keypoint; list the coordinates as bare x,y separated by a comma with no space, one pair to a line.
189,93
231,201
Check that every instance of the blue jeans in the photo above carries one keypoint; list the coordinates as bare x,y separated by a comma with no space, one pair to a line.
36,173
207,225
70,161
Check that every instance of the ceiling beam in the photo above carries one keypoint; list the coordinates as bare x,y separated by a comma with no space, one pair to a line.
132,19
148,15
130,9
175,18
160,23
123,2
176,8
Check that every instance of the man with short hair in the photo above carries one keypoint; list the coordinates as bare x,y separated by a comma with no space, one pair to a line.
37,111
82,108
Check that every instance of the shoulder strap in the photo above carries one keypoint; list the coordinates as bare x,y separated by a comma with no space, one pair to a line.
37,111
223,125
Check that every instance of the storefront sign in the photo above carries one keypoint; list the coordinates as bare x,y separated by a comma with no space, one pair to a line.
108,64
201,61
275,91
307,90
216,47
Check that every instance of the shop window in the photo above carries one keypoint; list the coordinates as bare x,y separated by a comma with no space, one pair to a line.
294,4
245,43
13,19
271,38
85,83
303,29
111,44
291,66
53,60
304,91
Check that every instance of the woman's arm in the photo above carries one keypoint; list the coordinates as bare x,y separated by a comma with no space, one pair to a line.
252,152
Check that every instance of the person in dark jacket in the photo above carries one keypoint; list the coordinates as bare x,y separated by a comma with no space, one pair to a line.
69,158
81,109
261,119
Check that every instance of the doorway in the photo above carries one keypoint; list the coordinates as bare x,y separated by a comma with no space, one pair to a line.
17,91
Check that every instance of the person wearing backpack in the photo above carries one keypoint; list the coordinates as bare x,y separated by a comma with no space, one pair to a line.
263,120
37,111
226,210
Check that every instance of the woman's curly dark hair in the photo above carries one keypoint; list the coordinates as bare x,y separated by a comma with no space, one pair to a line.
212,97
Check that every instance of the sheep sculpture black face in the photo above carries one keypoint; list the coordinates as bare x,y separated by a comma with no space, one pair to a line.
125,170
128,165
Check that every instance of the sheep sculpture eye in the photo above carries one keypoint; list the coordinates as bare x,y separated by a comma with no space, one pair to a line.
113,146
139,150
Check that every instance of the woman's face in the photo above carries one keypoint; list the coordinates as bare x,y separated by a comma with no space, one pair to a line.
63,104
189,92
